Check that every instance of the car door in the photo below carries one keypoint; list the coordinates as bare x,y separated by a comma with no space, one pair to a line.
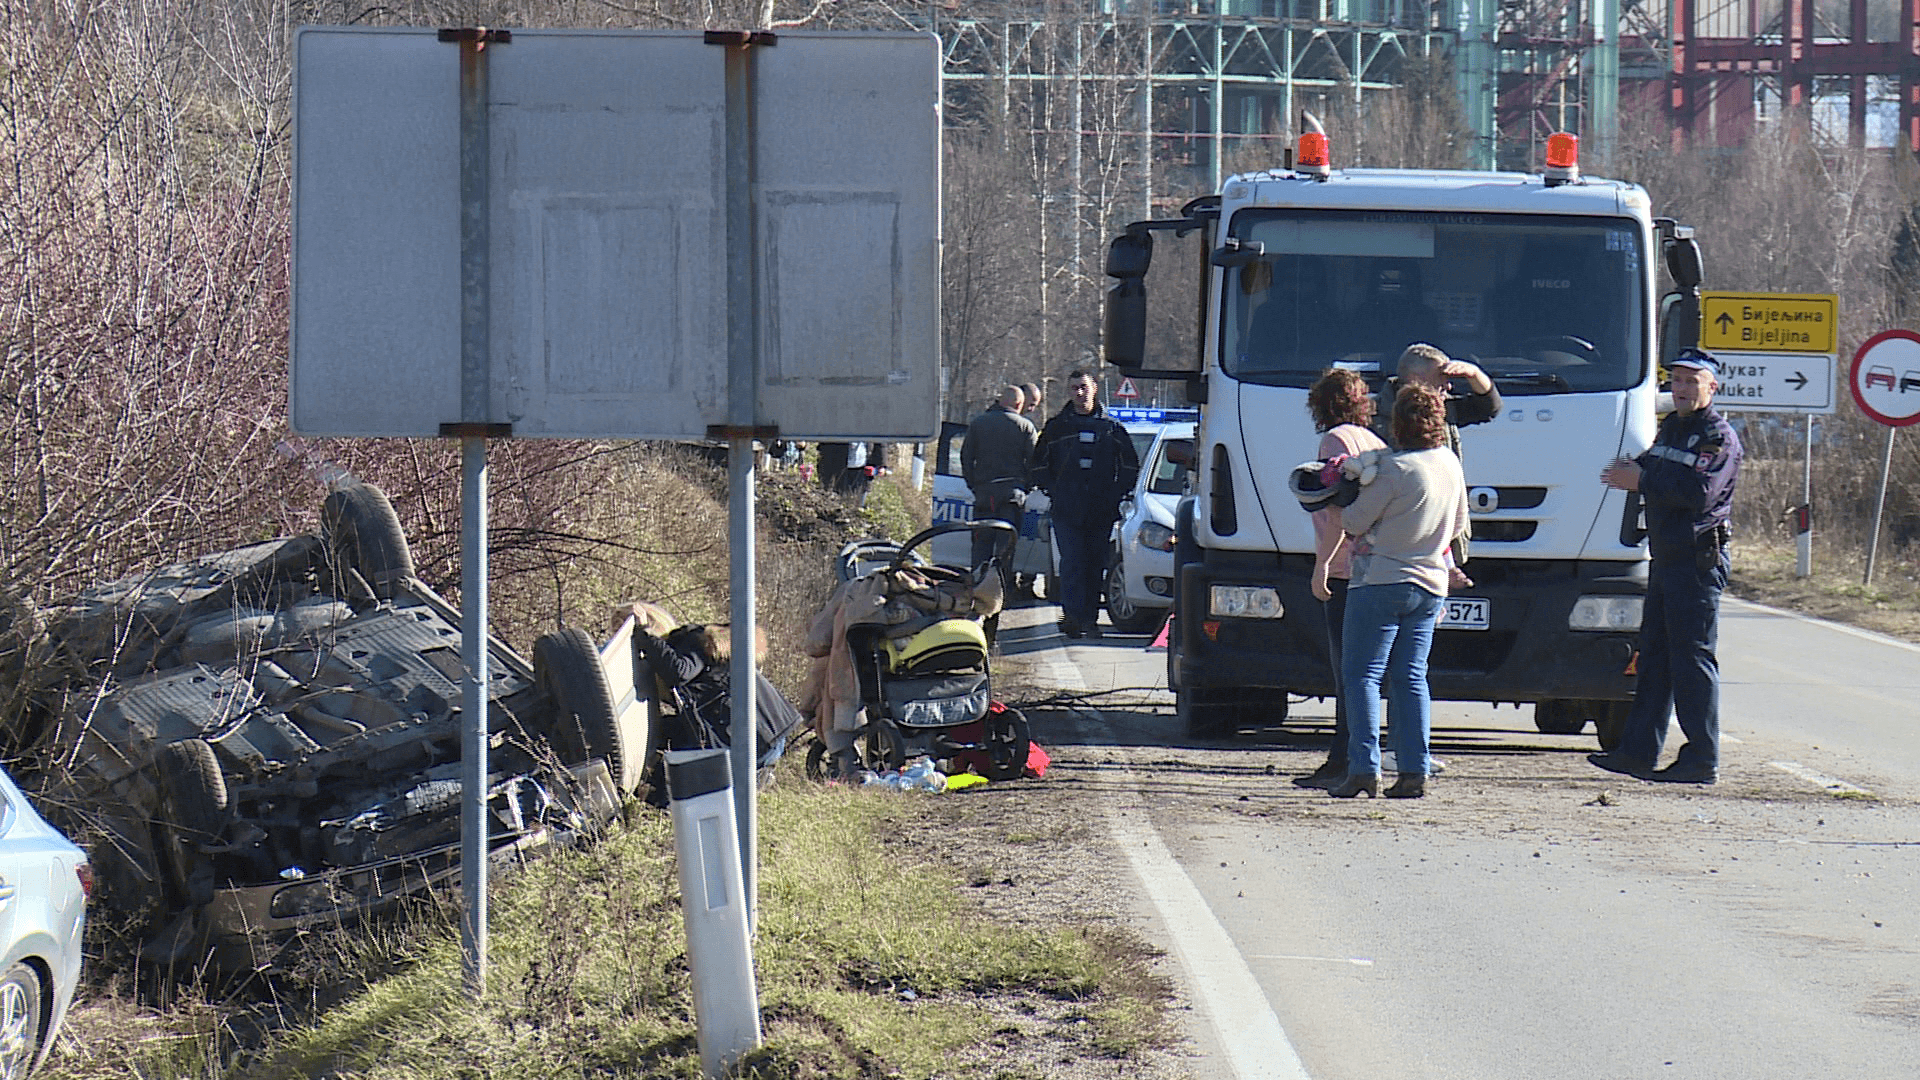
952,501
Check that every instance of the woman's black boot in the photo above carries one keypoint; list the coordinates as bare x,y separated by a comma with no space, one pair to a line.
1327,775
1408,786
1354,785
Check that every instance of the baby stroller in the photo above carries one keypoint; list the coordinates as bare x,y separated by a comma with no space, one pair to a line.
926,687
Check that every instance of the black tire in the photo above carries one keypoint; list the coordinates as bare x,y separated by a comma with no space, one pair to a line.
196,791
23,1005
1128,618
1008,742
1610,724
566,665
885,749
1560,717
1207,714
364,534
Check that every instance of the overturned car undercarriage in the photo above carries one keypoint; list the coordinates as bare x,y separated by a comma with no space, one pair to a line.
268,739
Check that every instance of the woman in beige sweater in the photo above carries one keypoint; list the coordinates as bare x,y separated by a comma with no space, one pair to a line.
1400,524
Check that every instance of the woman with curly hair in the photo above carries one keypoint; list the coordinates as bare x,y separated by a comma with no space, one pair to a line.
1342,409
1401,524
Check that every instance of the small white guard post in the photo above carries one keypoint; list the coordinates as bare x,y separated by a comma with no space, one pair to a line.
726,1004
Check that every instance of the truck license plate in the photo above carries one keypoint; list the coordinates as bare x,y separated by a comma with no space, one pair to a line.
1465,613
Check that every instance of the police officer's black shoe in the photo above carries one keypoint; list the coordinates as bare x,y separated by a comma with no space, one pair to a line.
1686,773
1620,763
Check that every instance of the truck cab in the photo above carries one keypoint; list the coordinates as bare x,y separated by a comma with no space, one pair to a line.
1547,283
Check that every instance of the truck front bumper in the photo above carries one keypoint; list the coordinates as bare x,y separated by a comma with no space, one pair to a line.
1527,652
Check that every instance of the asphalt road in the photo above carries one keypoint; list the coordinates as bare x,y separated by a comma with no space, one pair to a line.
1533,917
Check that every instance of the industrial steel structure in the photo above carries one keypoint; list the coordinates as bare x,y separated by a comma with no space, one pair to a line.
1204,78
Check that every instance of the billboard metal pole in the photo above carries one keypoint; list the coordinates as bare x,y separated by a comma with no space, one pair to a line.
742,427
472,430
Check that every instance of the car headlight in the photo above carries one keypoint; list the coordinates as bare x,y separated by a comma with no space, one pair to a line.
1245,602
1156,536
1606,613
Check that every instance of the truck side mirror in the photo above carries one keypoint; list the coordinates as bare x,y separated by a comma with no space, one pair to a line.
1679,322
1129,255
1683,262
1123,329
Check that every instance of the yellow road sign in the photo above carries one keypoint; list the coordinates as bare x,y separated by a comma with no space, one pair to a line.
1769,322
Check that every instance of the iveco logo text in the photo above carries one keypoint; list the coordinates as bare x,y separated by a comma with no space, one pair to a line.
1552,283
1483,500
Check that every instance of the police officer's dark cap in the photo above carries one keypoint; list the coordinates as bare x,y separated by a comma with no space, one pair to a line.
1697,358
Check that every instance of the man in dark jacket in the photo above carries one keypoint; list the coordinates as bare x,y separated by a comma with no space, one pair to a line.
1426,365
1686,479
1085,462
994,462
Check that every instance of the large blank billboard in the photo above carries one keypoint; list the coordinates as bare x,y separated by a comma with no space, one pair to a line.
607,219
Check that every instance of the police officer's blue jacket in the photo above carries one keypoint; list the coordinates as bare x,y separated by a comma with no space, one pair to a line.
1687,478
1087,464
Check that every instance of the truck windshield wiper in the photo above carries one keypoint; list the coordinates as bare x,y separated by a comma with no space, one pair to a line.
1532,378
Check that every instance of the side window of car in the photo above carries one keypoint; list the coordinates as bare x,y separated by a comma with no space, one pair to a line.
947,455
1170,472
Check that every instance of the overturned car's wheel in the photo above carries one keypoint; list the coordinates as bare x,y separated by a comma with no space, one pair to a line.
584,724
364,534
196,792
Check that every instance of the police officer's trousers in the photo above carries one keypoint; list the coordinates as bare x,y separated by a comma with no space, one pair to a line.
1679,672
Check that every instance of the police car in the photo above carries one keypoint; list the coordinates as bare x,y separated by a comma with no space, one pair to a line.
952,501
1140,566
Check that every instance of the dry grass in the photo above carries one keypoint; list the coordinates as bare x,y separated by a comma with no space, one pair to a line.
1763,573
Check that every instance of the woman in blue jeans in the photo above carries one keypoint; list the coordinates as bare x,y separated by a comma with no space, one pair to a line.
1400,525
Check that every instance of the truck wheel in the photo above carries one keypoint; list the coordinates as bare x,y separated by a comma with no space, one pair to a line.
196,792
567,666
1128,617
1209,713
364,533
1610,724
1560,717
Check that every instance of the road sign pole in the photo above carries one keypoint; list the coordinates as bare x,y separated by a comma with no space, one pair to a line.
1803,538
475,379
743,364
1879,505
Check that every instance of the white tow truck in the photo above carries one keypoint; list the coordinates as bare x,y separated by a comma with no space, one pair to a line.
1547,282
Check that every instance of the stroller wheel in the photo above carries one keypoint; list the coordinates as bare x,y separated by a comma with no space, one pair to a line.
885,749
1008,743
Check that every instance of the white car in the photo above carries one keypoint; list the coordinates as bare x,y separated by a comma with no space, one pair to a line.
952,501
1140,567
44,882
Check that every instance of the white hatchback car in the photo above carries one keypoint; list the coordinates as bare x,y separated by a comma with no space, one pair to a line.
1140,567
44,882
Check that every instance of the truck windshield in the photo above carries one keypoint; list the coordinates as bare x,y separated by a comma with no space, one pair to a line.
1543,304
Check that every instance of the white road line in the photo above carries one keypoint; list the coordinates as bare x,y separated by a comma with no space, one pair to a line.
1256,1045
1865,635
1356,961
1818,779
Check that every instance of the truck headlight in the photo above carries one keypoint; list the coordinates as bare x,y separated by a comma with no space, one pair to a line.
1156,536
1616,613
1245,602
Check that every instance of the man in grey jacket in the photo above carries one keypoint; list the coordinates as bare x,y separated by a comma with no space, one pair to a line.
994,461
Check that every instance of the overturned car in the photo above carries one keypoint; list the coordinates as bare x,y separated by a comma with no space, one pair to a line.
268,738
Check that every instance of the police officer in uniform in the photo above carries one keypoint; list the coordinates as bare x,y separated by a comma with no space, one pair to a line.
1686,479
